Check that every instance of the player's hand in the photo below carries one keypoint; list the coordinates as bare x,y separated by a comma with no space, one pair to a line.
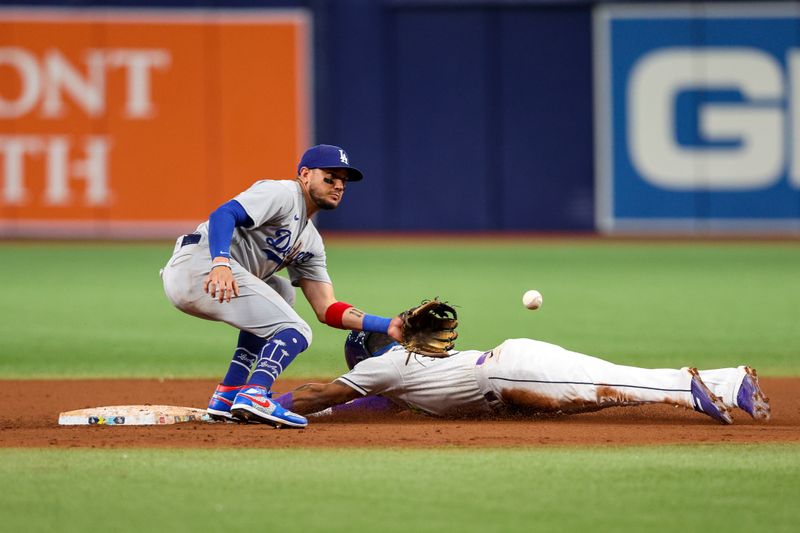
220,284
396,329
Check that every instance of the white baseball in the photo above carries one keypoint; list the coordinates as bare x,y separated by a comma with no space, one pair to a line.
532,299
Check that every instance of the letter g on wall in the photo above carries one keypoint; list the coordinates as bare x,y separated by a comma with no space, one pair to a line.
757,123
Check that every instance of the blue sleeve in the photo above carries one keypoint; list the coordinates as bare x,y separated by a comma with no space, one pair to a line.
220,227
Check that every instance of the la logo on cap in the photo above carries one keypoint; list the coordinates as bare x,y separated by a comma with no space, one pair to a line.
343,157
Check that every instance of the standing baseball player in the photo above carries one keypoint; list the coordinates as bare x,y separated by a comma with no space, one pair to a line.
521,376
226,271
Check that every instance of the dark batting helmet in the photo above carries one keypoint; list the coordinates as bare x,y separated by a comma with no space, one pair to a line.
362,345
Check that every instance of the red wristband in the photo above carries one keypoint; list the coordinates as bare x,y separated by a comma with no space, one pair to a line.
334,314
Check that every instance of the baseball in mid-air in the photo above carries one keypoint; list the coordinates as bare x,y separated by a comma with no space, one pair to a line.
532,299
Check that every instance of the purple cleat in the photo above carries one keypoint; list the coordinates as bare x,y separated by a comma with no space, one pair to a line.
704,401
750,397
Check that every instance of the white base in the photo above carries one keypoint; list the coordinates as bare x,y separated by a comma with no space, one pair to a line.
132,415
226,415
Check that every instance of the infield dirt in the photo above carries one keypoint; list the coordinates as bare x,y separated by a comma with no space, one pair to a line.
29,418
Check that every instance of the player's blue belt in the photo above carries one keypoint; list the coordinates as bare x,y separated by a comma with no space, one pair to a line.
192,238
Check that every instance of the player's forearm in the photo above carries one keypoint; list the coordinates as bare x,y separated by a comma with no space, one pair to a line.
305,401
309,398
355,318
344,316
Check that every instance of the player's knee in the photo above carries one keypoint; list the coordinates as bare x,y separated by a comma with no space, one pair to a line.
304,330
176,289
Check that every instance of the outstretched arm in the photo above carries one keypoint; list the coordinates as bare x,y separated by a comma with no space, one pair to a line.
344,316
314,397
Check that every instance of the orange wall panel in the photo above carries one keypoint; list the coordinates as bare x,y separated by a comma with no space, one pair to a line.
116,118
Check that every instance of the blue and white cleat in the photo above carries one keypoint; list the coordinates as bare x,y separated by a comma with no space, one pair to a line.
255,404
750,397
704,401
219,406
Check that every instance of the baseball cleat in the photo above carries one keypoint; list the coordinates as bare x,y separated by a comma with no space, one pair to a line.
704,401
750,397
254,403
219,406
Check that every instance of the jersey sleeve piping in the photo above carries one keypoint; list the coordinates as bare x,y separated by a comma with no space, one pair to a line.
358,388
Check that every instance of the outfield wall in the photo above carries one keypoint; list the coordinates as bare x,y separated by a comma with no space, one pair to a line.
464,115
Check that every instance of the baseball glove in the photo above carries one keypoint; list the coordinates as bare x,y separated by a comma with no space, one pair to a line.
430,328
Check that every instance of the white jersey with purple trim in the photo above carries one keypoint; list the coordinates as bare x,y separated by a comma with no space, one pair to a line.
437,386
282,236
525,373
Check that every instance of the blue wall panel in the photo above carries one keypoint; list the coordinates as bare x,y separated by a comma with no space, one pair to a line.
546,107
350,102
439,121
486,111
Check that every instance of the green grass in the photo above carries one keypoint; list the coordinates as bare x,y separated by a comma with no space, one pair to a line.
99,310
676,488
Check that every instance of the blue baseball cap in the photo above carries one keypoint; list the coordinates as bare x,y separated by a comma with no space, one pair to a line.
329,156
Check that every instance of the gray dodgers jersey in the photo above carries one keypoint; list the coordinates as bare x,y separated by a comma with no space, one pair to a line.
282,236
437,386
